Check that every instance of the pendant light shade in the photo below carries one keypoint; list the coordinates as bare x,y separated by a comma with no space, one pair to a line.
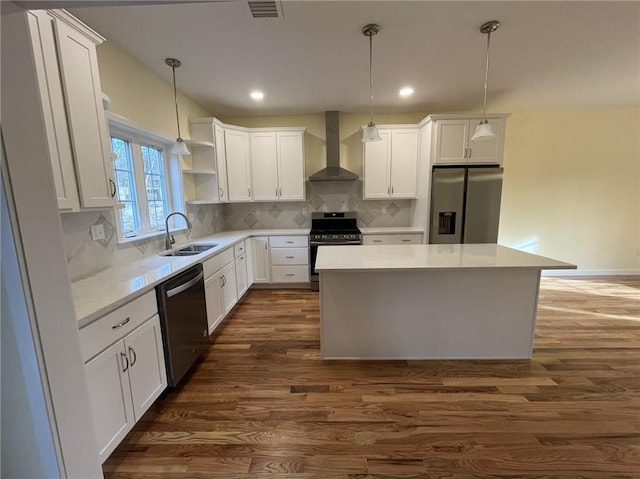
370,133
179,147
484,130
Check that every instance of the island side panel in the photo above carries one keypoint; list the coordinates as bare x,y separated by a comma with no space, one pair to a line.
450,314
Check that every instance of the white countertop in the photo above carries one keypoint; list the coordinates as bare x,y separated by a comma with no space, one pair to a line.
98,294
381,230
429,257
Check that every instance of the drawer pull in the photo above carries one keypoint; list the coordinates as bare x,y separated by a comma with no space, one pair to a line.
289,257
377,241
121,323
406,241
289,242
290,274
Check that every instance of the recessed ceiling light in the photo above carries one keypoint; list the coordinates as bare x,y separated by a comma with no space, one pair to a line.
406,91
256,95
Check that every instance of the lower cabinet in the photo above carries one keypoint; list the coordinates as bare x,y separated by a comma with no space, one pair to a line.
242,282
289,259
261,263
392,238
123,381
221,288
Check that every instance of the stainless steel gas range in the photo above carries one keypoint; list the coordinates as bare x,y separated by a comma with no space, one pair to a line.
331,229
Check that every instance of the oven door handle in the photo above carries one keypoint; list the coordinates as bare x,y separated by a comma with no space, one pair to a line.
338,243
185,286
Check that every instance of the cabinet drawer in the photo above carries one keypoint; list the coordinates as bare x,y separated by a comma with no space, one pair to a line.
217,262
239,249
286,256
288,241
96,336
414,238
290,274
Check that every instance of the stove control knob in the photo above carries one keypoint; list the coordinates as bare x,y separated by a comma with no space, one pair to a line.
324,236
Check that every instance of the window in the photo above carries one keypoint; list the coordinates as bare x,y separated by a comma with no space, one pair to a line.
143,184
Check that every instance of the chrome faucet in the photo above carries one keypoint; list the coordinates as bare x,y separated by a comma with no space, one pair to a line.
169,240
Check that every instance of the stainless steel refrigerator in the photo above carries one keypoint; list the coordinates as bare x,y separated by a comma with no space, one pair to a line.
465,204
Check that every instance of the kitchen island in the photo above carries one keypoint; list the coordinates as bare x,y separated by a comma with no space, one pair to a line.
458,301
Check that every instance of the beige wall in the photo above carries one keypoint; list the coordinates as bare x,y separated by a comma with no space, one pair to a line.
142,96
572,186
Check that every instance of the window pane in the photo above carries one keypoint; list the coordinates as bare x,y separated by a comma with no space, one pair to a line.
156,186
125,185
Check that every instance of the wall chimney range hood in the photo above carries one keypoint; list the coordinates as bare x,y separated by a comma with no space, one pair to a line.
333,171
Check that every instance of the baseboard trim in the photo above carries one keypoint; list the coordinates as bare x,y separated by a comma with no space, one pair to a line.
592,272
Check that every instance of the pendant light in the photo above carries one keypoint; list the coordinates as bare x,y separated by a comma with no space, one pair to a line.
179,147
370,132
484,130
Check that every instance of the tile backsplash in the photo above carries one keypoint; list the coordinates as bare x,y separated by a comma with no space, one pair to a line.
85,256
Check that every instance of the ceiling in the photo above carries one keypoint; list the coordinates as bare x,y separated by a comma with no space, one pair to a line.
314,58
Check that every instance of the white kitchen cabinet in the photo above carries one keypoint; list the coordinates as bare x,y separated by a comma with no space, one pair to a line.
213,297
238,155
90,141
240,253
277,165
261,263
205,169
391,165
124,368
392,238
229,287
289,259
452,142
64,53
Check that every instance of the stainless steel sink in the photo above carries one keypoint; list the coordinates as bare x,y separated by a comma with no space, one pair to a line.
191,250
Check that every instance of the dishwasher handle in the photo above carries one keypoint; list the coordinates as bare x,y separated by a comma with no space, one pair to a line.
183,287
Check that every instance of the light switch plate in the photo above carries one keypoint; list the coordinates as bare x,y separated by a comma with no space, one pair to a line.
97,232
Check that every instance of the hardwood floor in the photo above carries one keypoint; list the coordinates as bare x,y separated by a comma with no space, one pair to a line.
262,404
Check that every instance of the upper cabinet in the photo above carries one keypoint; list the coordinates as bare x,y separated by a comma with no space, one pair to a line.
451,141
66,65
391,165
277,165
205,169
236,164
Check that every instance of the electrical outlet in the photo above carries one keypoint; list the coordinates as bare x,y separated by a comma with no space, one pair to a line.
384,209
97,232
258,212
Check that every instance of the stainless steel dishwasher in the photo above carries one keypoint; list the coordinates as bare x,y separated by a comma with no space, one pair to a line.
183,319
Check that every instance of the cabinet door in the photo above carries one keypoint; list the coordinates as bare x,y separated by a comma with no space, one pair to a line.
213,295
147,371
110,397
264,166
229,288
451,141
89,135
376,167
489,150
261,264
404,163
53,108
238,167
241,275
291,166
221,163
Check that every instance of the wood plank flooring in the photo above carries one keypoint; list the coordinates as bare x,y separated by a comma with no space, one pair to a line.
262,404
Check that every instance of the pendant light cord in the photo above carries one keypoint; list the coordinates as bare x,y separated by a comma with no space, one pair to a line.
175,98
371,79
486,80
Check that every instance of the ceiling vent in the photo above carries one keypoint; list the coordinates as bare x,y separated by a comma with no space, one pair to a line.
260,9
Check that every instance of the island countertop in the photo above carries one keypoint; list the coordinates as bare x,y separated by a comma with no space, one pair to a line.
430,257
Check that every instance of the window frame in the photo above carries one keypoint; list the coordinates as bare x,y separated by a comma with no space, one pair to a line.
139,136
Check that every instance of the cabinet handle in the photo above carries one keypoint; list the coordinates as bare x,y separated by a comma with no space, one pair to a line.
249,190
280,191
470,151
125,361
388,190
276,191
289,257
392,190
121,323
465,153
224,280
289,242
265,246
221,192
377,241
406,241
113,187
290,274
132,352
